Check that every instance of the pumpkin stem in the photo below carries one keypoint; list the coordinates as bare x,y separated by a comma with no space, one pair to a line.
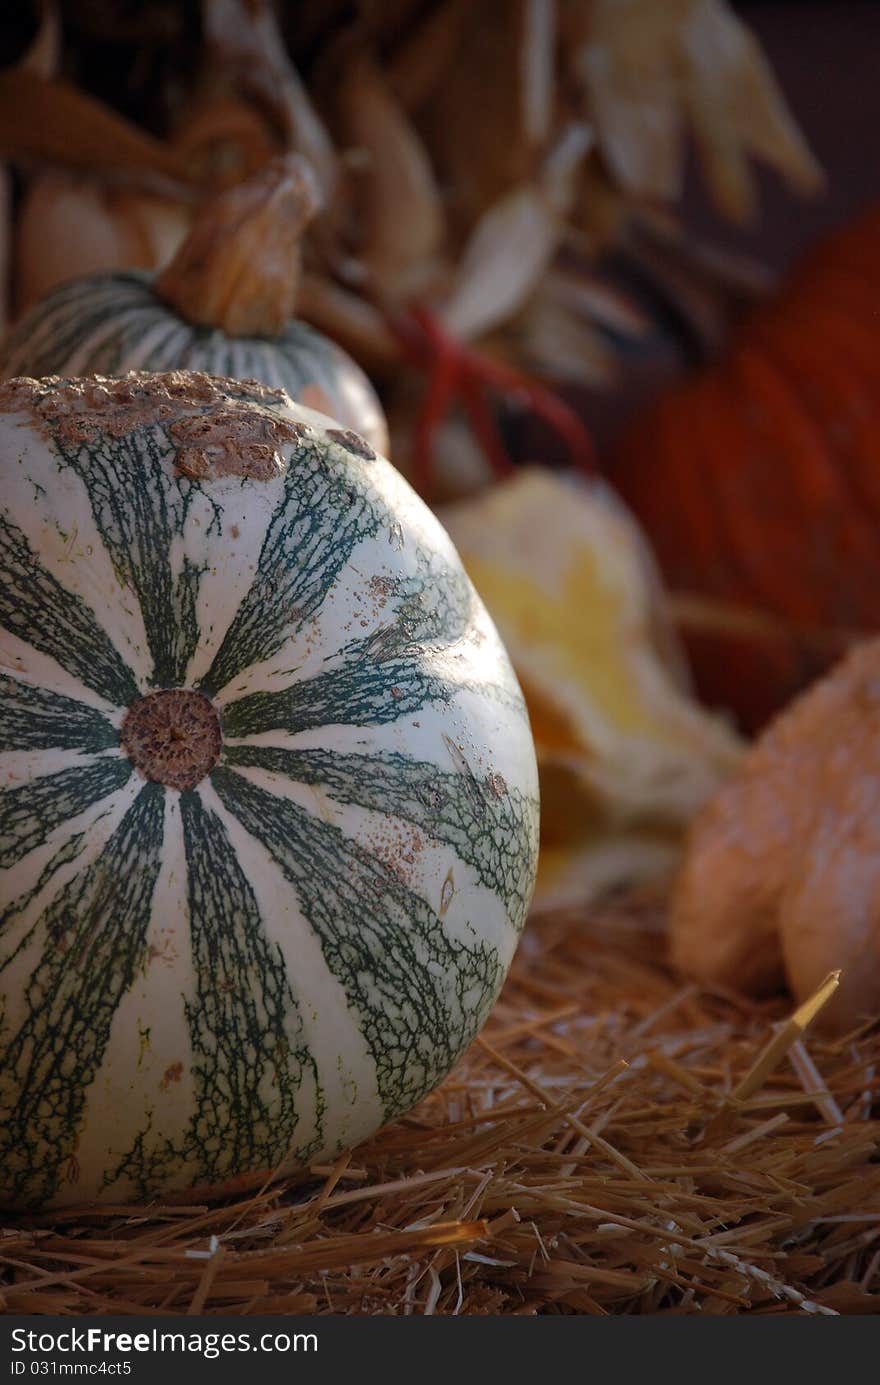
239,267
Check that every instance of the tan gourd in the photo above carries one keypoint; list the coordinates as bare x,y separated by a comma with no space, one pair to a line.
781,878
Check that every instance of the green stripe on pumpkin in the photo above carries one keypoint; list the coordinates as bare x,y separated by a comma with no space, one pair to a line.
319,520
30,813
490,825
251,1068
112,343
250,1060
35,607
358,693
96,931
33,718
381,678
417,994
66,853
138,511
57,326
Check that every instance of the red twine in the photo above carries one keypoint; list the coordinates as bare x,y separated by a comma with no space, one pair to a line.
455,371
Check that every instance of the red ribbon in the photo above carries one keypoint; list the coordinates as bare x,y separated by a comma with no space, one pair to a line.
455,371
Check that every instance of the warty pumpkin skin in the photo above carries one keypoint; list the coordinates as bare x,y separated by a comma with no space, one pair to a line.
268,815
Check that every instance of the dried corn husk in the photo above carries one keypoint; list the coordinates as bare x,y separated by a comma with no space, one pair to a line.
459,149
423,57
704,286
508,253
624,65
563,344
513,244
44,51
224,140
486,124
648,72
460,466
356,324
246,52
600,213
40,57
68,221
597,302
51,121
70,224
623,750
537,71
5,244
736,109
399,222
570,328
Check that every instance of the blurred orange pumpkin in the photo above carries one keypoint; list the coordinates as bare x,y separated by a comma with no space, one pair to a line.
758,482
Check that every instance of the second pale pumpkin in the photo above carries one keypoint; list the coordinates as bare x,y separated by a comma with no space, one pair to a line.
224,305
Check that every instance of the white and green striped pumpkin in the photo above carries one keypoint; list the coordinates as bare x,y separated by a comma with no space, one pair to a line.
268,805
224,306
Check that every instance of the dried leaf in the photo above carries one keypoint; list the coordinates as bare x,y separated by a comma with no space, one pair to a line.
247,50
557,342
350,320
538,63
400,221
597,302
626,66
736,108
648,71
425,56
69,225
54,122
505,257
479,125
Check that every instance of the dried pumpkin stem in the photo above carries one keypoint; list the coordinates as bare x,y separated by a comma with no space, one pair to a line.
239,267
